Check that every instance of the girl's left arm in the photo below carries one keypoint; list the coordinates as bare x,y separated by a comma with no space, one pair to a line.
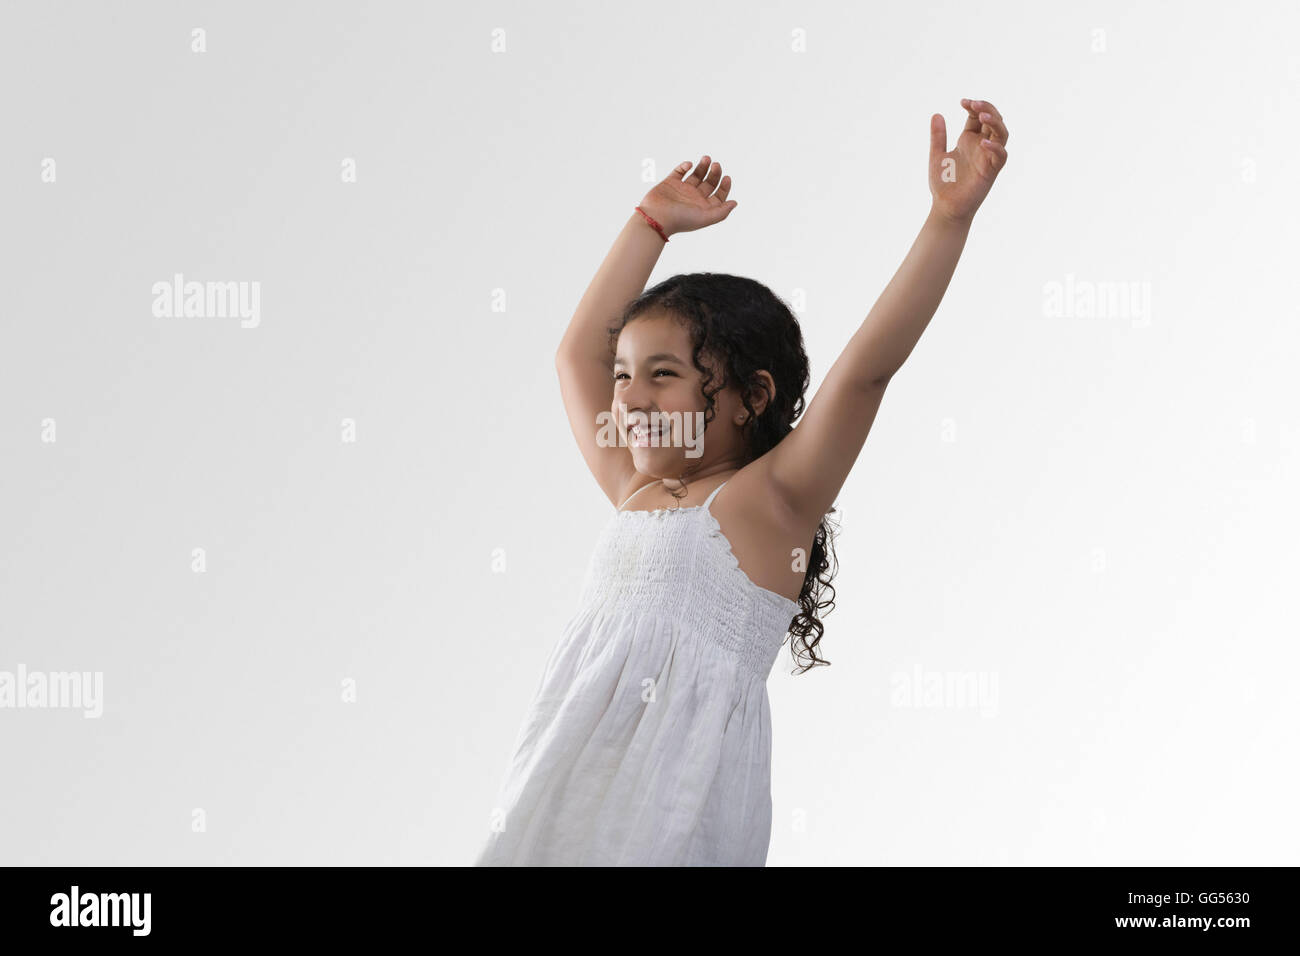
809,466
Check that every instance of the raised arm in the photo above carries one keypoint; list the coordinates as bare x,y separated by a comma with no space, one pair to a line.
680,203
809,466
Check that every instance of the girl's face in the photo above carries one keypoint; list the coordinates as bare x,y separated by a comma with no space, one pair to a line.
653,379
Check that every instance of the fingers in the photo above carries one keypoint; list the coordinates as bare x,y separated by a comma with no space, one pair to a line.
706,177
697,174
724,189
973,124
994,128
985,119
997,154
980,106
711,180
938,136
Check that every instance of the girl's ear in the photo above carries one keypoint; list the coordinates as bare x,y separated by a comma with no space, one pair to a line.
760,396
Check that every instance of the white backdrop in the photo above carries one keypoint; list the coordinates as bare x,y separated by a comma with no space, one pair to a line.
273,537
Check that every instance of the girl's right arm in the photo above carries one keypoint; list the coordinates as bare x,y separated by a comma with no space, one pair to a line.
583,359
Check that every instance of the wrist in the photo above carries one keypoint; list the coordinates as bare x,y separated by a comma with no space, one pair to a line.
939,216
655,220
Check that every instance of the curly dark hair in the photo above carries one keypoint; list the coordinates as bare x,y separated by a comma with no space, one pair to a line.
748,328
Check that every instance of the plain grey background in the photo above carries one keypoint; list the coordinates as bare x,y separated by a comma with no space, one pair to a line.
1088,513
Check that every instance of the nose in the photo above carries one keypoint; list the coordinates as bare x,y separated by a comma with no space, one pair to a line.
630,400
633,413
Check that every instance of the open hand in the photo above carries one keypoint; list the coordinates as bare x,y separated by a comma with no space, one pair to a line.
682,203
962,177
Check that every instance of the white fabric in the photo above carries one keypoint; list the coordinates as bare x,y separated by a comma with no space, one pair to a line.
648,741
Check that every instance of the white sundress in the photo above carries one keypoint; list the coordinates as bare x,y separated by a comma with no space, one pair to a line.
648,741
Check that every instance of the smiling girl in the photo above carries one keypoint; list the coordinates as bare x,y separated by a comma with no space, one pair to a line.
648,741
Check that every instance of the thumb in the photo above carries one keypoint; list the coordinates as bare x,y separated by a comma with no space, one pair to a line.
938,136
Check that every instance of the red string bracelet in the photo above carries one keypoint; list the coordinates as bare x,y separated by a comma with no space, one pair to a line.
658,228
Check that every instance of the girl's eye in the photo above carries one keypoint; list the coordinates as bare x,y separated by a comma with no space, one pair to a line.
618,375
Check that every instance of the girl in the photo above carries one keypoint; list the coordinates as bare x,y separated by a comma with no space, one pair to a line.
648,740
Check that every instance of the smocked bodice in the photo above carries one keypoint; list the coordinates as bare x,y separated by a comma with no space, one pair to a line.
678,563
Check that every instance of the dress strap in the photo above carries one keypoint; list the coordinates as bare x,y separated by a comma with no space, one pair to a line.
713,494
637,492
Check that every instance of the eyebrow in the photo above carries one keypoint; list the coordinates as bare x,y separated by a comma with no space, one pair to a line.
657,357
